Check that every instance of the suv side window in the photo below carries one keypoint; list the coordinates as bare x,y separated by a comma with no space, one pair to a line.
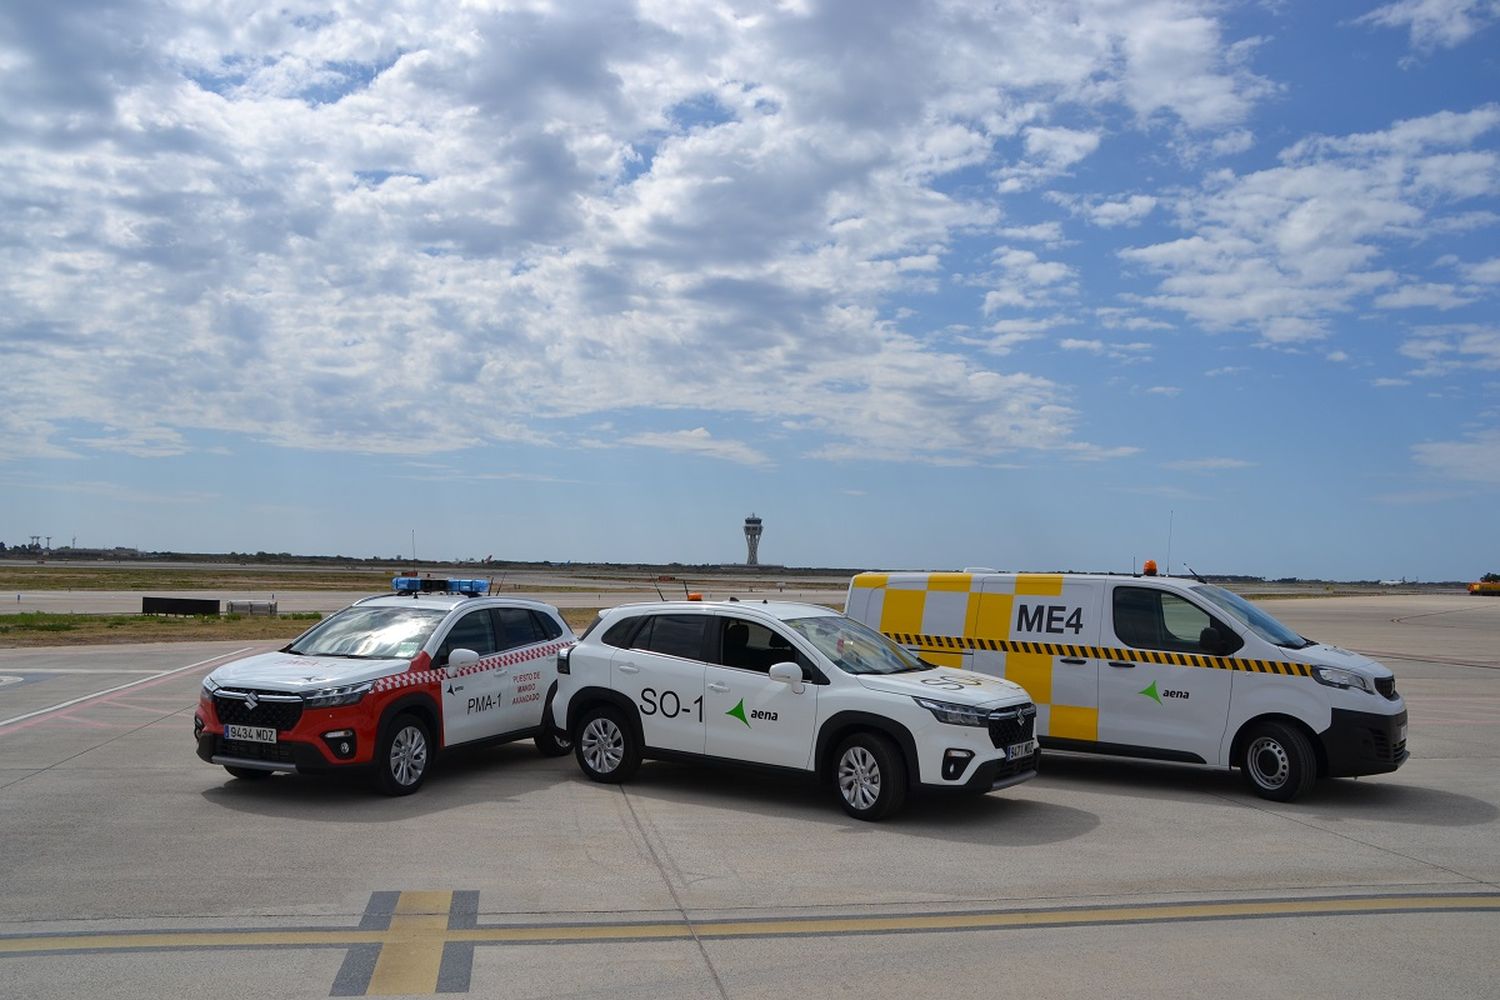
748,645
472,631
673,635
546,625
619,634
517,627
1147,618
752,646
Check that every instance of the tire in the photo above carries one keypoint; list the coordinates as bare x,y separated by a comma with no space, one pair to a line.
1277,761
553,742
606,746
247,773
870,776
403,756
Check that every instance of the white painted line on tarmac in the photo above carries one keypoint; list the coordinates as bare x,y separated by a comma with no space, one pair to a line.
87,670
121,687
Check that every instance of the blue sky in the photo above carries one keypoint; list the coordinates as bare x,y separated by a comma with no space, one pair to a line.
1034,286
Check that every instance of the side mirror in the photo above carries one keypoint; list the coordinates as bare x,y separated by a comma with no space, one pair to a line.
1212,641
789,674
459,658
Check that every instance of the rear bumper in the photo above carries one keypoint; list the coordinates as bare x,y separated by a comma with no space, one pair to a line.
1358,743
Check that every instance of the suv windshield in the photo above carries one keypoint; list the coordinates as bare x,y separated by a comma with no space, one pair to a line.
1259,622
371,633
855,649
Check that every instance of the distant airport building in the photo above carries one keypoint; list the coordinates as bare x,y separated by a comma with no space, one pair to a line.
752,540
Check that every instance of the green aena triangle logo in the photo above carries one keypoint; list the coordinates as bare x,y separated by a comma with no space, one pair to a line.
738,711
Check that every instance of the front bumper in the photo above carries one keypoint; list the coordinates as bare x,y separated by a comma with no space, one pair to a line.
283,755
995,774
1358,743
304,738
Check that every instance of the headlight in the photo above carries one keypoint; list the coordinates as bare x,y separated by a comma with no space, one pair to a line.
210,686
331,697
955,715
1336,677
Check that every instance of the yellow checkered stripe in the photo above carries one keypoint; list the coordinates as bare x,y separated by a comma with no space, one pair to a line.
960,644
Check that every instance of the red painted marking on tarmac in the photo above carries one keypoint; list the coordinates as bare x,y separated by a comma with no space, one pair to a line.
46,715
76,720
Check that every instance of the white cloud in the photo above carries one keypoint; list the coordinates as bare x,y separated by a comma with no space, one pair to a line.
1485,272
699,441
1436,24
1474,460
334,228
1059,148
1047,233
1026,281
1389,383
1282,250
1129,210
1117,351
1429,295
1164,390
1443,350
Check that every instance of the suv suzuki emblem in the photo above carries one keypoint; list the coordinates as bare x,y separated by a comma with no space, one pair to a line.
251,701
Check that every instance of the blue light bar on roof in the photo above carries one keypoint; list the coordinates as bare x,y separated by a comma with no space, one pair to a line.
427,585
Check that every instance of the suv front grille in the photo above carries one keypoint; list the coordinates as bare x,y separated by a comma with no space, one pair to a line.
1012,725
273,752
273,709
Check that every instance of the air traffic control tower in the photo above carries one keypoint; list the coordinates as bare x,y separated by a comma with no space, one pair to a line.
752,539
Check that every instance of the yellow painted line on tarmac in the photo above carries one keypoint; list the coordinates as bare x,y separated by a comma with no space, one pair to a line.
412,949
428,928
424,948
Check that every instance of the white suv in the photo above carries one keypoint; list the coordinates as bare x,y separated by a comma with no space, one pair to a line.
791,686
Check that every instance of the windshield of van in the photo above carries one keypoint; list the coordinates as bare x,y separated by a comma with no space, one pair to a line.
1254,618
855,649
371,633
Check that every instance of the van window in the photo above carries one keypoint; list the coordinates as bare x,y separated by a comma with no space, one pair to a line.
1146,618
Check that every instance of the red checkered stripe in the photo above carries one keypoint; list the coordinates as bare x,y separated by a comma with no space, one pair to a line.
416,678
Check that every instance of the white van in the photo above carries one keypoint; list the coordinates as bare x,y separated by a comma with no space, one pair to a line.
1155,667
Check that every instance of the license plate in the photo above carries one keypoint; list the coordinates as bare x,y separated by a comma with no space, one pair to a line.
250,734
1020,750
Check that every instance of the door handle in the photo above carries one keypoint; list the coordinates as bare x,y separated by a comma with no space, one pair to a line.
1072,660
716,686
629,668
1120,663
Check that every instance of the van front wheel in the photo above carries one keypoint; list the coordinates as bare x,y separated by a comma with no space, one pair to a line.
1278,762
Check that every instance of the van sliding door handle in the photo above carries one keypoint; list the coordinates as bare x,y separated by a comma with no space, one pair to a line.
1072,660
715,686
629,668
1120,663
